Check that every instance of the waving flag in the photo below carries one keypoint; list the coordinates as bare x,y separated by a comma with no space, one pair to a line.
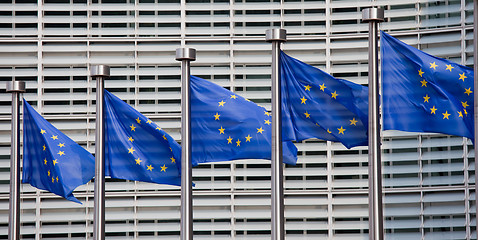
424,93
138,149
317,105
225,126
51,160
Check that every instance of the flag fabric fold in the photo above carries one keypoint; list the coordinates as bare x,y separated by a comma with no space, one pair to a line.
317,105
51,160
424,93
226,126
136,148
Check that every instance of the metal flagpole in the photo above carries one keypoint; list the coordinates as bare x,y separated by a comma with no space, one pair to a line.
475,104
373,16
276,37
15,87
100,72
186,55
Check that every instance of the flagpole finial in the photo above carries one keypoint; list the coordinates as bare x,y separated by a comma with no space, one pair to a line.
15,86
185,54
100,71
373,14
276,35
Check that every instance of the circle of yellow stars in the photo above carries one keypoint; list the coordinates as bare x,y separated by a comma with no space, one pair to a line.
426,98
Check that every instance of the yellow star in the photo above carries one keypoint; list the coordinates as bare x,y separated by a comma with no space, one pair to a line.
307,115
131,150
170,149
449,67
56,179
44,147
130,139
49,173
163,168
42,131
133,128
138,120
149,121
462,76
267,113
445,115
260,130
420,72
307,88
465,104
426,98
322,87
52,179
238,143
233,96
341,130
164,137
150,168
303,99
61,153
248,138
460,114
353,122
158,128
55,162
45,161
433,109
54,137
334,95
433,65
468,91
221,130
173,160
221,103
267,122
464,111
61,145
216,117
328,131
229,140
424,83
138,161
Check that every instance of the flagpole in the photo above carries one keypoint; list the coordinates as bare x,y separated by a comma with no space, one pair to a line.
276,37
100,72
475,102
373,16
15,87
186,55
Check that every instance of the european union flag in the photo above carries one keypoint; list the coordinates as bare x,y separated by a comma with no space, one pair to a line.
317,105
225,126
51,160
424,93
136,148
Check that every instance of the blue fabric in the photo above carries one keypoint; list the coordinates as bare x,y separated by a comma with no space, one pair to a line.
424,93
317,105
51,160
225,126
136,148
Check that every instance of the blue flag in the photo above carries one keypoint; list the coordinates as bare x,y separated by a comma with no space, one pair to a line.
317,105
136,148
51,160
225,126
423,93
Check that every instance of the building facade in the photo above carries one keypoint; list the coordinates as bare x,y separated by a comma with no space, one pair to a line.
50,44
